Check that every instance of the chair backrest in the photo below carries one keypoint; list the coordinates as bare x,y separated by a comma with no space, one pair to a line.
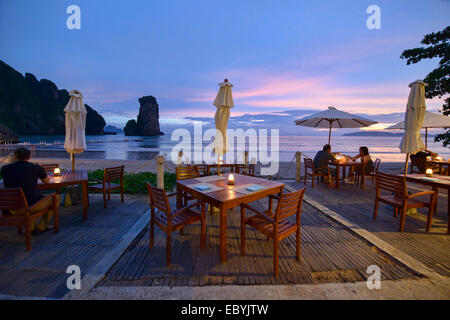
50,167
187,172
289,204
391,183
12,199
158,199
309,164
251,169
113,173
201,170
376,165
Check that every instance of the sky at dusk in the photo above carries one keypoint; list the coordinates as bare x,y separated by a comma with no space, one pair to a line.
285,58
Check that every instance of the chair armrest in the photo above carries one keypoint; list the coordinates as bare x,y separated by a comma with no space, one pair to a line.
274,197
171,194
95,180
200,202
259,213
43,200
424,193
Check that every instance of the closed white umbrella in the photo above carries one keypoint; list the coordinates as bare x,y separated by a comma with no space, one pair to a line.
432,120
75,125
334,118
223,103
414,117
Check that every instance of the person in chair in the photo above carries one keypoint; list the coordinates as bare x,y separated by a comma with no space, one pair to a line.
24,174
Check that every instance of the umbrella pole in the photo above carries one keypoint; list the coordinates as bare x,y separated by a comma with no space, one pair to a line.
406,164
72,155
426,138
329,133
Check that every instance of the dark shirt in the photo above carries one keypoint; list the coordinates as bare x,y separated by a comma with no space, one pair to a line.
25,175
322,158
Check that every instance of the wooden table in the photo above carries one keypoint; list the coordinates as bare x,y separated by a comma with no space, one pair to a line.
344,165
69,178
440,182
227,198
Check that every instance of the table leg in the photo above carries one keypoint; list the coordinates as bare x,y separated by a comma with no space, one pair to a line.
84,190
178,197
337,177
223,234
448,211
363,179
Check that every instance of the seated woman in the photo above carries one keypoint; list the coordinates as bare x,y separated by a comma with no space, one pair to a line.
366,162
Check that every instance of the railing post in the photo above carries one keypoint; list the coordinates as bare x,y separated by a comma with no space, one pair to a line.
298,160
245,157
160,171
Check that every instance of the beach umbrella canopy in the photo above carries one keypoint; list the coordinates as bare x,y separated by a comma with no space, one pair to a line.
223,103
75,125
334,118
432,120
414,117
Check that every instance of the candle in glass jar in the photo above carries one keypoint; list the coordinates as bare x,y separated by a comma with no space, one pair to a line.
231,179
429,172
57,172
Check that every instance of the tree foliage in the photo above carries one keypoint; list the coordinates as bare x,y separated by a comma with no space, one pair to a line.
438,80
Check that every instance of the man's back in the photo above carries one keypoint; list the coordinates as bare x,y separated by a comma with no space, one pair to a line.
25,175
322,158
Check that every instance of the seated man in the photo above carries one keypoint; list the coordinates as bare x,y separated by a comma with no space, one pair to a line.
24,174
419,160
322,159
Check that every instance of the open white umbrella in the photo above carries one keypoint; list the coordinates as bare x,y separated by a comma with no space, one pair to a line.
75,125
414,117
223,102
334,118
432,120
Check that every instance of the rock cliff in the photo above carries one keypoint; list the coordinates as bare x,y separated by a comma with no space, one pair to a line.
32,107
147,123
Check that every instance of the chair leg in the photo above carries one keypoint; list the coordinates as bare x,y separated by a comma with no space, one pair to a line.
19,229
181,231
202,236
298,248
242,231
430,215
121,194
27,235
109,195
395,212
152,232
55,216
312,181
168,244
402,219
104,199
275,256
375,209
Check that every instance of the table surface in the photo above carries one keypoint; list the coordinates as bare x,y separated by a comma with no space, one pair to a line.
228,193
438,179
347,163
66,178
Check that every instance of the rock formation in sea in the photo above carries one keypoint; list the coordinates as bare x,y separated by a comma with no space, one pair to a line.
147,123
6,136
32,107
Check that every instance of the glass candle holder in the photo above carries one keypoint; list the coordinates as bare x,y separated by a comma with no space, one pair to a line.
57,172
231,179
429,172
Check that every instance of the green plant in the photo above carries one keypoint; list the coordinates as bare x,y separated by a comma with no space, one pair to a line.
134,183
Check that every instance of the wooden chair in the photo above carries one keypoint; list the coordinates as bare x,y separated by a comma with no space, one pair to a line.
245,169
202,170
169,220
360,175
50,167
314,172
398,197
276,225
14,199
106,186
187,172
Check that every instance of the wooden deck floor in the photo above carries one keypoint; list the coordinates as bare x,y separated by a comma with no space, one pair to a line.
330,253
431,248
41,272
